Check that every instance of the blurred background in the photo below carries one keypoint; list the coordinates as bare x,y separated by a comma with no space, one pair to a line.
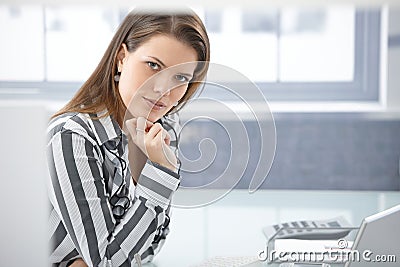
329,73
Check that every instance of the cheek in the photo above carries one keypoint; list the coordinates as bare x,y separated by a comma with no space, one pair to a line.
178,92
125,90
129,85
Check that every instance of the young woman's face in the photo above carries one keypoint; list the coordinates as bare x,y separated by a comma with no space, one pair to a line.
154,76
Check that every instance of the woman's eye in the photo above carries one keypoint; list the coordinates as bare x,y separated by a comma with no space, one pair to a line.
181,78
153,65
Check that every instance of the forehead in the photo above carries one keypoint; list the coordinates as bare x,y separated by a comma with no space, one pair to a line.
169,50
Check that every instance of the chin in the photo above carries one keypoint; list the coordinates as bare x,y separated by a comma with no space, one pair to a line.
138,112
155,117
152,116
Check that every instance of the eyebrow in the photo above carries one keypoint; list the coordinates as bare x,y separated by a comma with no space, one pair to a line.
162,64
159,61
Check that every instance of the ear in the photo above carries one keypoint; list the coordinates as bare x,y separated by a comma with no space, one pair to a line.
121,56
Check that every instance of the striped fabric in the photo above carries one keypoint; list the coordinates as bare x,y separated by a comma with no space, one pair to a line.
97,213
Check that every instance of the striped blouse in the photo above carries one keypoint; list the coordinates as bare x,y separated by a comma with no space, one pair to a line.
97,213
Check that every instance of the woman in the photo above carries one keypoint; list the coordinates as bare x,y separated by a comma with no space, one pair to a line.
108,207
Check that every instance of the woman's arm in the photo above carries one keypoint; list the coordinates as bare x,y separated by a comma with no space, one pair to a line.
82,203
137,161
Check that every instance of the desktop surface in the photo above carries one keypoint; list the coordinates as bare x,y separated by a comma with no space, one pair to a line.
232,226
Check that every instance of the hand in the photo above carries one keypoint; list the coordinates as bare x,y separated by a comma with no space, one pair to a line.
153,140
78,263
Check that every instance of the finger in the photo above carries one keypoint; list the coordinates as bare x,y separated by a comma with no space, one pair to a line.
158,128
149,124
160,137
144,123
167,137
131,126
166,151
154,130
141,127
140,134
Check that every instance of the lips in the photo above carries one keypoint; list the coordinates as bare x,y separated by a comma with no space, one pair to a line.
156,105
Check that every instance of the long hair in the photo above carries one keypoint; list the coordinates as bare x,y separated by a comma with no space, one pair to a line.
100,91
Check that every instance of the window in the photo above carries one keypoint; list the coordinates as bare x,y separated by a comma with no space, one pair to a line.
22,51
50,51
291,53
305,54
76,39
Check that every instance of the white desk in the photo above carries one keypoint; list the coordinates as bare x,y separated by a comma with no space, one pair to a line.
232,225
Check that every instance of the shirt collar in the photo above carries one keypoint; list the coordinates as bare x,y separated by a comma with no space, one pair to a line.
105,127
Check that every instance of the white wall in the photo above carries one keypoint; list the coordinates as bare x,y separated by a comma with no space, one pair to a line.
23,201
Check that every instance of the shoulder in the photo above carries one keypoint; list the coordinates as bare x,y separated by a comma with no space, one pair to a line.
74,122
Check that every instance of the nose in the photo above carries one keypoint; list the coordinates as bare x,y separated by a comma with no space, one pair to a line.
161,90
162,86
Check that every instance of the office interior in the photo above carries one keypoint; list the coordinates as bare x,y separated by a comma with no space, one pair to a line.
327,153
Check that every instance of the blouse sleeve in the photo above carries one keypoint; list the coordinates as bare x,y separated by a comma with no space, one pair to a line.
171,124
79,197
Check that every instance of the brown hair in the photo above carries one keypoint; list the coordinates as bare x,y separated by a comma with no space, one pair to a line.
100,91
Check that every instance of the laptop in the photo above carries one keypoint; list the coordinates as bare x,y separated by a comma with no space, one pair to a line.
377,244
378,240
